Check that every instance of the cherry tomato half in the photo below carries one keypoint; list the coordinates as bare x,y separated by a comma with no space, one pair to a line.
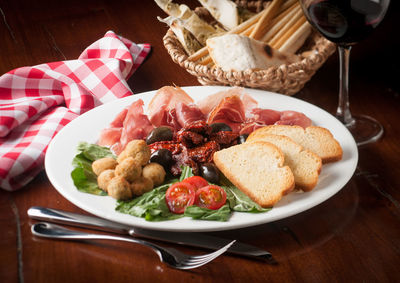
197,181
211,197
179,196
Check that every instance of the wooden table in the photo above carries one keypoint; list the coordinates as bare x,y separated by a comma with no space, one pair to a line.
354,236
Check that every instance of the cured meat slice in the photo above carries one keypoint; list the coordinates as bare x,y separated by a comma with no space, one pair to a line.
136,125
207,104
294,118
265,116
188,113
229,111
118,121
165,99
112,134
249,103
109,136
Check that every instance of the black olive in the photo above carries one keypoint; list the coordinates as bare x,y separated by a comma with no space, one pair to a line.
163,157
242,138
162,133
210,172
218,127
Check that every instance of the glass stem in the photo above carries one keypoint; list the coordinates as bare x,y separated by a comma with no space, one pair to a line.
343,110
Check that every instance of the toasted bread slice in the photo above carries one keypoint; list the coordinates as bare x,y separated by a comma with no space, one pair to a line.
304,164
257,169
316,139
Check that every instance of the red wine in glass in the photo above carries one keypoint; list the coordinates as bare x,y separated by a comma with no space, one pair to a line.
346,22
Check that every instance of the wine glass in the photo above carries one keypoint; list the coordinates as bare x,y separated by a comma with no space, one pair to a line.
345,22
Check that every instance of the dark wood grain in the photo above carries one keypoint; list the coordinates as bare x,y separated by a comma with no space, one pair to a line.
352,237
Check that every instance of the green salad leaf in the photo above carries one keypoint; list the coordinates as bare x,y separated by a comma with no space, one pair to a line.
83,176
150,206
202,213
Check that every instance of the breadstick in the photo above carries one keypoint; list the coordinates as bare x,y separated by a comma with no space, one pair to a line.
289,32
280,21
268,14
297,39
288,25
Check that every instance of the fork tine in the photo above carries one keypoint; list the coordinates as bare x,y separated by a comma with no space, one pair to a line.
203,259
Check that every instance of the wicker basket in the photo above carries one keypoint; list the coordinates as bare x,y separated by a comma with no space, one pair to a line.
285,79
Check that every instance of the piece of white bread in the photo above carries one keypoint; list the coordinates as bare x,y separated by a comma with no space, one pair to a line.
238,53
257,170
304,164
316,139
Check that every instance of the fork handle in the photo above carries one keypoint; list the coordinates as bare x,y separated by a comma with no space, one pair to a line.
47,230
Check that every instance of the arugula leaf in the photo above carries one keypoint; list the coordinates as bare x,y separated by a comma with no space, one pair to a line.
186,173
196,212
83,176
150,206
83,184
93,151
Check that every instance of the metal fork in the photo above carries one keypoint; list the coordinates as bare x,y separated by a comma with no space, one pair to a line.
170,256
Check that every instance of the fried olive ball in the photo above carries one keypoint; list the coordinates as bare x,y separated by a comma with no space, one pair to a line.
141,186
119,188
137,149
155,172
129,169
102,164
104,179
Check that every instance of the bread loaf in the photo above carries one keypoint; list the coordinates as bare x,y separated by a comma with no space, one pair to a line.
238,53
305,165
316,139
257,169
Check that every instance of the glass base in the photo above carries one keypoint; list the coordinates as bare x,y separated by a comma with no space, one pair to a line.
365,129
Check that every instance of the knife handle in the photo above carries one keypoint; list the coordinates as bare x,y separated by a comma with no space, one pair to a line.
73,219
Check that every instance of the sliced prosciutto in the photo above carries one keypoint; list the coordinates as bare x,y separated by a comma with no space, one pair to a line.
230,111
136,125
165,99
210,102
294,118
131,123
111,135
188,113
264,117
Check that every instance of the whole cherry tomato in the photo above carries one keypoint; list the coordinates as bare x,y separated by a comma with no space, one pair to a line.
179,196
211,197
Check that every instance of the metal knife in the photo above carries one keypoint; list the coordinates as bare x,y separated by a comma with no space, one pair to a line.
186,238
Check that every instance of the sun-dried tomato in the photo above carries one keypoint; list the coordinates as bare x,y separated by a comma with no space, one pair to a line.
190,139
224,138
204,153
173,146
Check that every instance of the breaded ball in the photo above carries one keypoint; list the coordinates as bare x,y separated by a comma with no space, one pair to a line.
129,169
104,179
138,149
155,172
102,164
141,186
119,188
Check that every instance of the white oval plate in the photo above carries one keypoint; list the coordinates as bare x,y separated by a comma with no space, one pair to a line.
87,127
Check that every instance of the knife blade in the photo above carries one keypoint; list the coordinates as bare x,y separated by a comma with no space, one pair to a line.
187,238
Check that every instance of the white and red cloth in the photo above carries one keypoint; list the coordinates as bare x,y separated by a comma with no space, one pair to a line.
36,102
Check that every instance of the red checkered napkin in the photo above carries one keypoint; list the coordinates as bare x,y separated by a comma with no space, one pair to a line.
36,102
